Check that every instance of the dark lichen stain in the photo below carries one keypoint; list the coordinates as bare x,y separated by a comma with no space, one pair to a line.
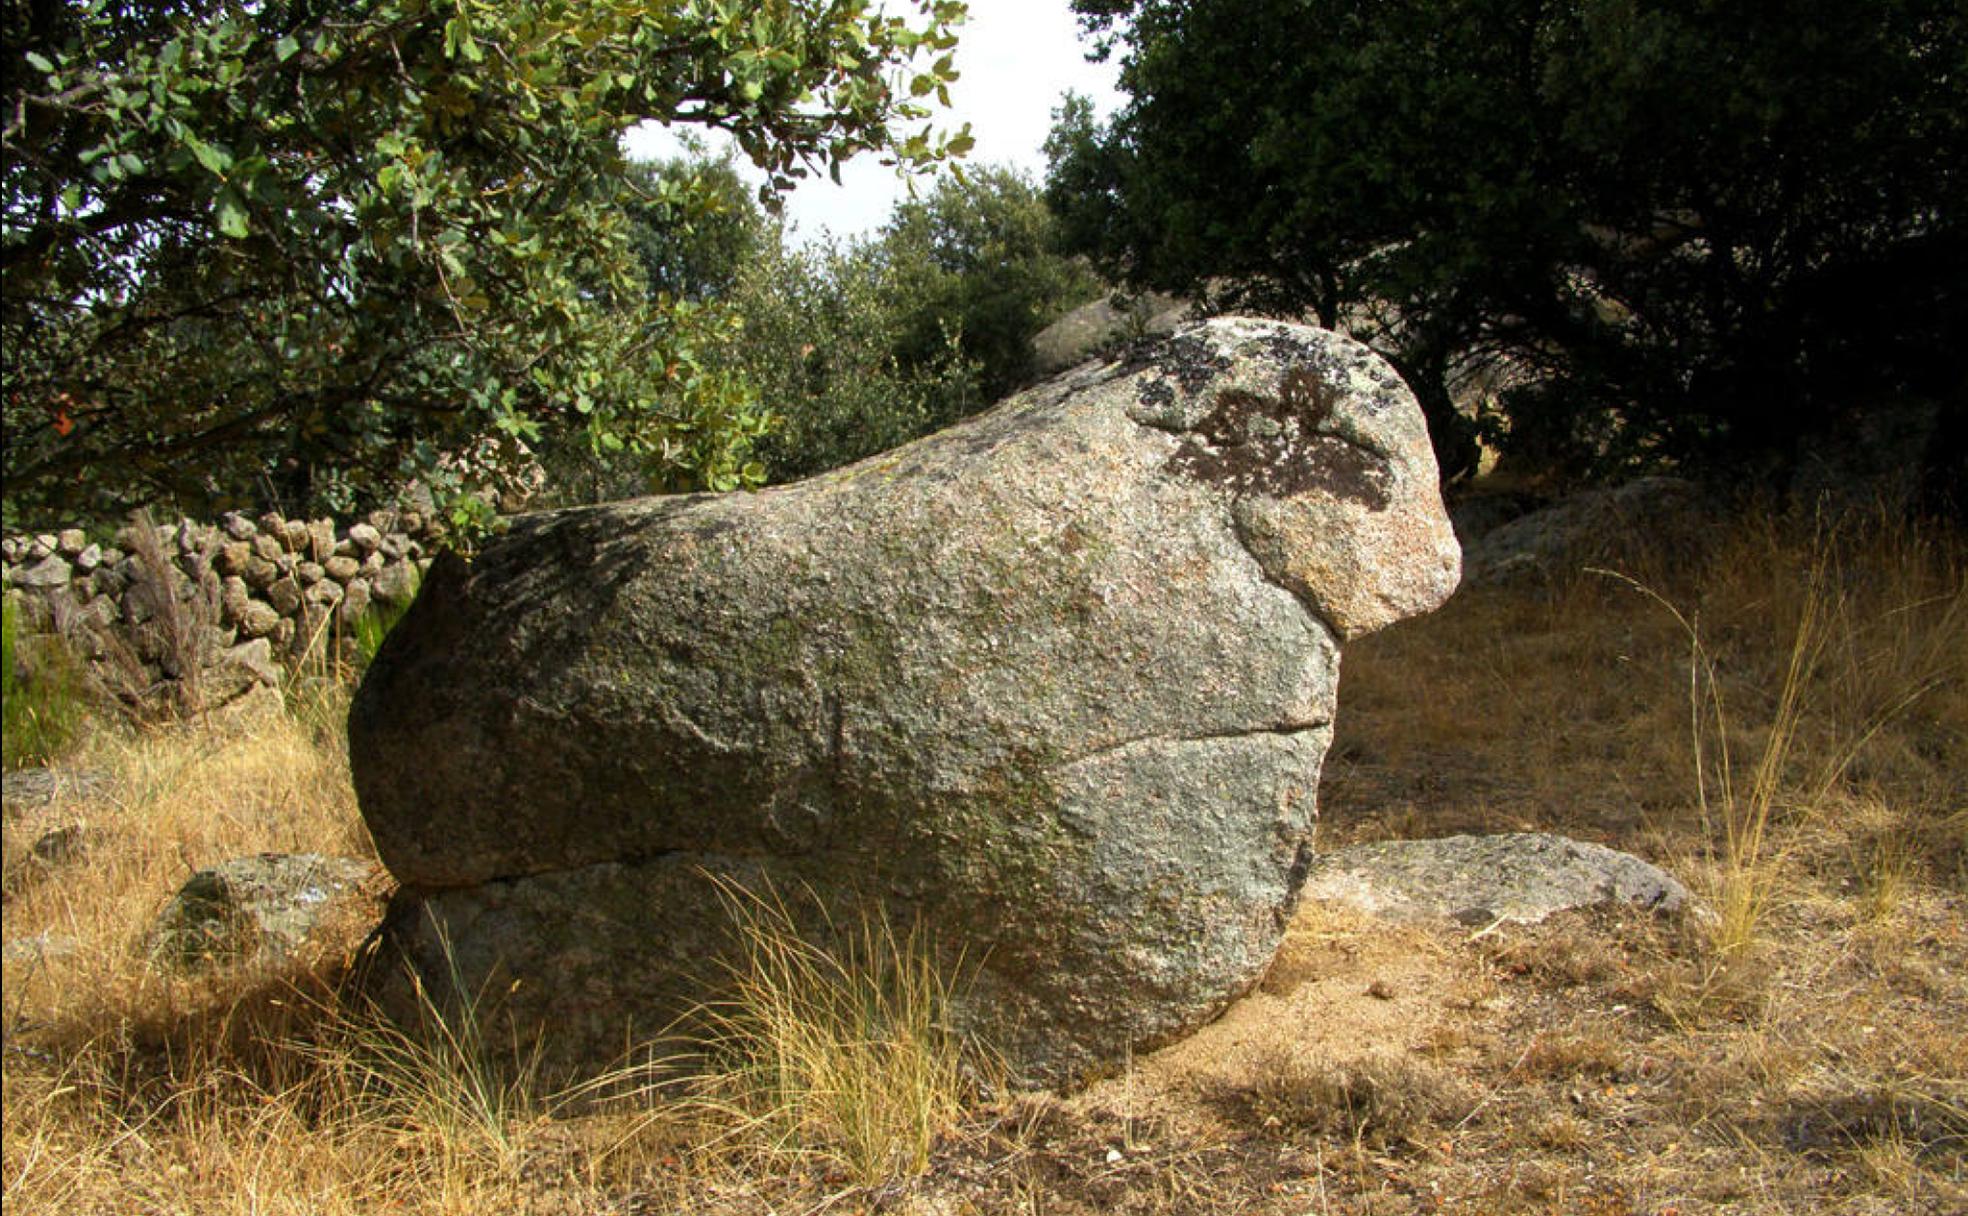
1191,363
1254,443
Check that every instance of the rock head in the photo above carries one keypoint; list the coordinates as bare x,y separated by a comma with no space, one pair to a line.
1054,684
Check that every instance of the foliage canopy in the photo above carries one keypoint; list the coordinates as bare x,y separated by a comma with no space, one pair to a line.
1693,232
304,251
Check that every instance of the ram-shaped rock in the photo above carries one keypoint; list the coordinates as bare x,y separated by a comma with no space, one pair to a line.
1054,684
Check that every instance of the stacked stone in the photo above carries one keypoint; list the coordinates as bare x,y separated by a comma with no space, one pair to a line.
269,589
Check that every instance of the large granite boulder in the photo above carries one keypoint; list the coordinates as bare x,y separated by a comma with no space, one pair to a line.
1057,682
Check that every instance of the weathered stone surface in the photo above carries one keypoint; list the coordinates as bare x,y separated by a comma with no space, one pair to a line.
22,789
364,538
260,573
263,905
233,558
37,948
234,598
285,595
1477,880
355,601
1059,680
396,584
1104,324
252,659
50,571
257,620
342,569
321,539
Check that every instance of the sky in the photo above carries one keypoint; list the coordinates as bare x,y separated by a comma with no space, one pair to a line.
1017,59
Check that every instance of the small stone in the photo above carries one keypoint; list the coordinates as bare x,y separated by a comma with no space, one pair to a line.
37,948
89,560
397,584
233,557
285,595
309,573
25,788
325,593
237,526
191,538
355,601
364,538
43,546
251,908
255,656
342,569
321,539
71,541
268,547
50,571
295,533
234,596
257,620
61,846
260,573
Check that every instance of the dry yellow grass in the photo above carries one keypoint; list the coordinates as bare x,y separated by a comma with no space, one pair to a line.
1813,1058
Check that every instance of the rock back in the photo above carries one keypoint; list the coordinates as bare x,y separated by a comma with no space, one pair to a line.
1055,684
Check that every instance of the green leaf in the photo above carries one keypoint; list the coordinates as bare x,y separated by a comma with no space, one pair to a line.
232,218
286,47
215,160
39,62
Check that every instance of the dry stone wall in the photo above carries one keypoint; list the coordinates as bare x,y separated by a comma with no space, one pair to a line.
197,614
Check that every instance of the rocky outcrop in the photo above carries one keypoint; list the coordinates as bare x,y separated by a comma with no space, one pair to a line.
1479,880
1056,682
1103,325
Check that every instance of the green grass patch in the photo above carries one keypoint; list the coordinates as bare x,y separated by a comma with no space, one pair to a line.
41,691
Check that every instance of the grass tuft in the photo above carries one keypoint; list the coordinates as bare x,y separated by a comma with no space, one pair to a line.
833,1046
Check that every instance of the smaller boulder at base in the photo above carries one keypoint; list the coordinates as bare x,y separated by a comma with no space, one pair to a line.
257,908
1479,880
1053,685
